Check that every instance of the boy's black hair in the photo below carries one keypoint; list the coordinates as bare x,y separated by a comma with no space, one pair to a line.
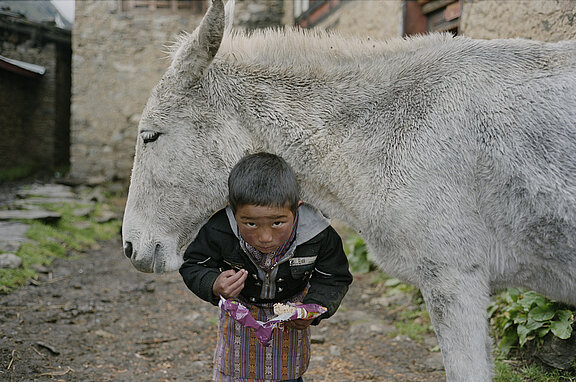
263,179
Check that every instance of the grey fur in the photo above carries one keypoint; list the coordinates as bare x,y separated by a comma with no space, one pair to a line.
454,158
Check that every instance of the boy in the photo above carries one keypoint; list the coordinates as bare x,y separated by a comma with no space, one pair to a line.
266,247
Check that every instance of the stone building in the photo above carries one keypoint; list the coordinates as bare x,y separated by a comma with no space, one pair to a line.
35,75
545,20
118,48
119,55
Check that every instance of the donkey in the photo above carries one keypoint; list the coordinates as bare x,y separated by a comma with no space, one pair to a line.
454,158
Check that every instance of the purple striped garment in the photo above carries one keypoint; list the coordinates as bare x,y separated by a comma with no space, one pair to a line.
239,357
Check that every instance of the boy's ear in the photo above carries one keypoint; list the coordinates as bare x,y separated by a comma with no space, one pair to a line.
300,203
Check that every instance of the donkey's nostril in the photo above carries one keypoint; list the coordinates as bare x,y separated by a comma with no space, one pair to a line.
128,249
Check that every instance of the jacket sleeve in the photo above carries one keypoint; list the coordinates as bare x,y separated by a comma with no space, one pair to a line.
201,265
331,277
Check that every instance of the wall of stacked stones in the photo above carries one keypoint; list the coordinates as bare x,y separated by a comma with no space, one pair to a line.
28,106
545,20
118,57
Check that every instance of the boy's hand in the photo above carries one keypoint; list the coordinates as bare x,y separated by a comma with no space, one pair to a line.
300,324
229,283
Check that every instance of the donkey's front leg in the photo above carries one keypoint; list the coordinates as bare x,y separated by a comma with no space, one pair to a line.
457,302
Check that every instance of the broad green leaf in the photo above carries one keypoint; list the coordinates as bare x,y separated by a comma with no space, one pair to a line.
532,325
507,343
522,334
520,319
565,315
514,294
561,329
541,332
542,313
532,299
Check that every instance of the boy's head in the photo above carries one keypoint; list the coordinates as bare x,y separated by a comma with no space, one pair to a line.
263,179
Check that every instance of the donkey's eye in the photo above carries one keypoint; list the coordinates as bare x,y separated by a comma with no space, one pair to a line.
149,136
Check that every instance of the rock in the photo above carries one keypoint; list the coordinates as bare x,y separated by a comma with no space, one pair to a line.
34,201
12,235
95,195
96,180
434,361
335,351
10,261
48,191
49,347
40,215
395,299
82,212
40,268
106,216
363,325
317,339
556,352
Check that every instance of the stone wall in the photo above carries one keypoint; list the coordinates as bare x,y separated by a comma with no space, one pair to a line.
545,20
118,58
371,18
34,112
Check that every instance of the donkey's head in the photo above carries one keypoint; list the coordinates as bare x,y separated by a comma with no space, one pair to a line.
186,145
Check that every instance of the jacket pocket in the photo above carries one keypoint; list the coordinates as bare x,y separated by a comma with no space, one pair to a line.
302,267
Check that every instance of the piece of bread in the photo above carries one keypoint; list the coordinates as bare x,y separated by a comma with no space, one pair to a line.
280,308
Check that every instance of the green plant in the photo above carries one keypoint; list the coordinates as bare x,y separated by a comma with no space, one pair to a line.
519,316
355,249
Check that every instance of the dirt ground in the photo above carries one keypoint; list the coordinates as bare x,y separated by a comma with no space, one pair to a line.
95,318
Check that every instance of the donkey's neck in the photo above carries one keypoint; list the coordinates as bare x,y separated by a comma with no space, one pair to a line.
299,120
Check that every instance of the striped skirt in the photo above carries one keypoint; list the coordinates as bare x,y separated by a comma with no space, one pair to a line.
239,357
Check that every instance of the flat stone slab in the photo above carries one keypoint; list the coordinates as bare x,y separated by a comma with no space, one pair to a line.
33,201
12,235
48,191
40,215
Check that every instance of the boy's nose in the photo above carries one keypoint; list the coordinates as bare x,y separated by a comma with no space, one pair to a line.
265,236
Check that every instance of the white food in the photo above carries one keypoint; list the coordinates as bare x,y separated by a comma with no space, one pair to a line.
280,308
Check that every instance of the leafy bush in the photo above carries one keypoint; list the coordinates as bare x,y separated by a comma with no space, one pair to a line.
355,249
519,316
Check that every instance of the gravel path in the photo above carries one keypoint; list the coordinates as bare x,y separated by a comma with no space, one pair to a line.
95,318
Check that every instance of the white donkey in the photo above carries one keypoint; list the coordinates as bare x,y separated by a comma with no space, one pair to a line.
454,158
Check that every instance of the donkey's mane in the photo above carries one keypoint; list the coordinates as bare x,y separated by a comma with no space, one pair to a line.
297,48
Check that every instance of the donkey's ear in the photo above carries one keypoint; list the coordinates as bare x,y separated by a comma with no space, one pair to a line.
196,52
229,12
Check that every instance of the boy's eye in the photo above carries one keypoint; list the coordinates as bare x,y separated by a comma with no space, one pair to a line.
277,224
250,224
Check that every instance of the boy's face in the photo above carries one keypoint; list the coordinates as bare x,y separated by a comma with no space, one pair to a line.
264,227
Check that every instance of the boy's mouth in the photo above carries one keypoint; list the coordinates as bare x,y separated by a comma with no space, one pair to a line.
266,249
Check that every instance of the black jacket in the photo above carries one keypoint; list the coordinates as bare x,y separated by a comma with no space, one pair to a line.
319,261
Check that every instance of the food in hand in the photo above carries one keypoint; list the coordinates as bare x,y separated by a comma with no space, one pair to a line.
280,308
